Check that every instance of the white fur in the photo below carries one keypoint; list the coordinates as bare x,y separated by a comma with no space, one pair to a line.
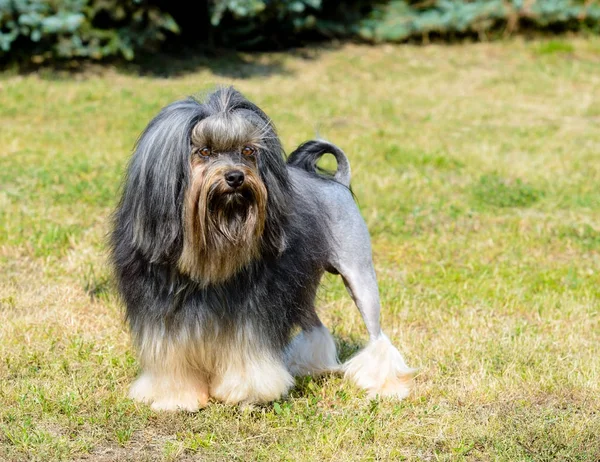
247,372
169,381
256,378
181,371
380,369
166,392
312,352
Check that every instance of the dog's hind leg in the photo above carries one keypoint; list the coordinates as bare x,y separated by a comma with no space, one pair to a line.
379,368
312,351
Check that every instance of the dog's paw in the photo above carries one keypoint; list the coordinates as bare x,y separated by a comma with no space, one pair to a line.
189,403
380,369
142,390
312,352
259,379
167,394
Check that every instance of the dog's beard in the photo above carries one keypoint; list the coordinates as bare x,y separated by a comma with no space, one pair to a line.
222,228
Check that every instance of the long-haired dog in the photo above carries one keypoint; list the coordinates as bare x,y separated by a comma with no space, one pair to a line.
218,246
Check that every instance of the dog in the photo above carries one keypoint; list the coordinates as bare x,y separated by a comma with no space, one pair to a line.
218,246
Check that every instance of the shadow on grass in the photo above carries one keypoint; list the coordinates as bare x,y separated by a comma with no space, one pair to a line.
306,385
229,64
347,348
170,64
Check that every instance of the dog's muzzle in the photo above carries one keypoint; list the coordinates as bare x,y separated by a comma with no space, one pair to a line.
234,178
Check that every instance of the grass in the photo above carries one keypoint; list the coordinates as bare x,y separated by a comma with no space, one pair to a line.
477,170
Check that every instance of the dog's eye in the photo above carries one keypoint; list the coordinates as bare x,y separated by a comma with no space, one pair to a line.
248,151
204,152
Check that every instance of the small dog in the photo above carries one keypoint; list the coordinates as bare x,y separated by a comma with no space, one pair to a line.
218,247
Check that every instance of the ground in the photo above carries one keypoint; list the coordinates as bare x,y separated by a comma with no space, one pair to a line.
477,169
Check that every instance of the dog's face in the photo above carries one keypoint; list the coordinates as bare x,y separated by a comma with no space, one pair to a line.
207,189
225,181
226,200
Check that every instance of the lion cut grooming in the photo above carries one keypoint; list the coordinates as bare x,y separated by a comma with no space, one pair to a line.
218,246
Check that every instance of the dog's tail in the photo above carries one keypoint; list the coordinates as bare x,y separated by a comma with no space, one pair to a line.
308,154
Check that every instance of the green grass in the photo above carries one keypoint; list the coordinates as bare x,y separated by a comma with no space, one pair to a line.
476,168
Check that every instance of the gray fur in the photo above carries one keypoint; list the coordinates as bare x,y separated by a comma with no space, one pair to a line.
313,225
350,244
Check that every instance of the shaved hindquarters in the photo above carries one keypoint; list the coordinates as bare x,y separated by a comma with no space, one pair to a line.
379,368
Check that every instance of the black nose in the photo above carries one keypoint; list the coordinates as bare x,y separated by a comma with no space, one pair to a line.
234,178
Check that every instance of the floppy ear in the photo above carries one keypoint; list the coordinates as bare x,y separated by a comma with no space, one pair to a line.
149,215
271,165
275,176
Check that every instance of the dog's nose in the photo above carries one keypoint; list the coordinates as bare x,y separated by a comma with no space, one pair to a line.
234,178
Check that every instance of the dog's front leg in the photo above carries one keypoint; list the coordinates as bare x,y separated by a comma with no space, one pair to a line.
170,391
169,381
248,368
251,377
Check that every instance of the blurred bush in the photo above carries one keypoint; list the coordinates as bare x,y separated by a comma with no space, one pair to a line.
284,23
102,28
96,29
400,20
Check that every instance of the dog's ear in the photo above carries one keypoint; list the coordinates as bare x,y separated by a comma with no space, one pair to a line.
149,216
274,173
278,203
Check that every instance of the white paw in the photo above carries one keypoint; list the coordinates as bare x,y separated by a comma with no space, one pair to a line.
381,370
188,403
256,379
142,390
312,353
170,393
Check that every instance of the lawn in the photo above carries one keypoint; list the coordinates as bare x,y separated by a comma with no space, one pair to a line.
477,169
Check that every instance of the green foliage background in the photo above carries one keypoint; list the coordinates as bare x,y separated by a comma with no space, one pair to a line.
98,29
81,28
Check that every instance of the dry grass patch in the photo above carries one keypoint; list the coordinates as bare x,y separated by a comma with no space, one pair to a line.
476,168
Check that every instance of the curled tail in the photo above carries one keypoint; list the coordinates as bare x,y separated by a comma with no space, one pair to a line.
307,155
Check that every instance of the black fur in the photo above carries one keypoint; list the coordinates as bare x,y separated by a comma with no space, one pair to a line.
275,293
307,155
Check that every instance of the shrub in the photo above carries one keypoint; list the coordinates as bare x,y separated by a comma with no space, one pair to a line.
284,23
399,20
80,28
249,23
102,28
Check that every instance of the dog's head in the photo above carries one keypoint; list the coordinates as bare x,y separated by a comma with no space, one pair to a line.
207,188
